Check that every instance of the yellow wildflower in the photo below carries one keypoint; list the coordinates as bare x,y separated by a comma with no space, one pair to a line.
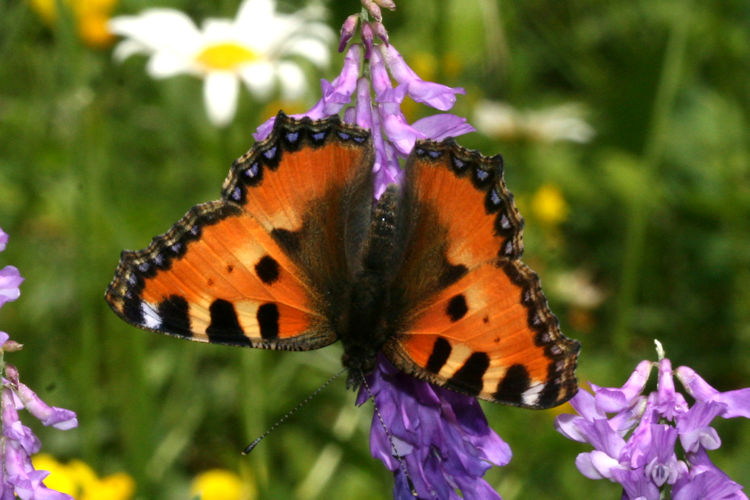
58,479
219,484
549,206
80,481
90,16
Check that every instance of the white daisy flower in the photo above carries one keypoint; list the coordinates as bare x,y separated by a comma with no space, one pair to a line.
255,47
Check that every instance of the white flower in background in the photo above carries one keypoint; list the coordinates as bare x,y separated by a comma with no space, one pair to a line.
557,123
255,47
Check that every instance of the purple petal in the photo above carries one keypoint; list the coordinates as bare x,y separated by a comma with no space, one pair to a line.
614,400
59,418
668,402
10,279
597,465
367,38
636,485
25,481
380,31
661,464
3,239
363,109
347,30
381,81
336,95
625,420
737,402
567,425
436,95
694,429
13,428
440,126
399,132
603,437
584,403
706,481
3,338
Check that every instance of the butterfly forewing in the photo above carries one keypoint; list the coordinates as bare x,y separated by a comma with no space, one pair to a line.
476,320
256,268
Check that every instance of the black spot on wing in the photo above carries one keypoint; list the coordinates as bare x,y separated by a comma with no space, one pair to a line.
267,269
268,321
513,385
224,325
550,395
469,377
441,349
456,308
173,312
131,308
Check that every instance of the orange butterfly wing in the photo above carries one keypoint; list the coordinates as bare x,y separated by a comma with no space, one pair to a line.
478,322
255,268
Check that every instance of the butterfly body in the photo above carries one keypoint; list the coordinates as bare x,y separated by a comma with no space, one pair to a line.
297,255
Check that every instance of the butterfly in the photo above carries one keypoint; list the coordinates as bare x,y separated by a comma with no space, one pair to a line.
297,255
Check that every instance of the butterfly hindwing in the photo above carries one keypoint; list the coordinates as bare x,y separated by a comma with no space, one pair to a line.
255,268
476,320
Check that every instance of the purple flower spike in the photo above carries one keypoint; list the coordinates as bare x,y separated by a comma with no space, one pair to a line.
645,460
436,95
18,478
442,437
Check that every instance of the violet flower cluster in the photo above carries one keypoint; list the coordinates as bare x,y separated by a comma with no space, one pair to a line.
369,68
18,478
635,436
442,438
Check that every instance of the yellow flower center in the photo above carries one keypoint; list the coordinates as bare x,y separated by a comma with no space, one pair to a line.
225,56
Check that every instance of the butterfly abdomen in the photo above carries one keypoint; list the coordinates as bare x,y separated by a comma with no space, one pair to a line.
365,329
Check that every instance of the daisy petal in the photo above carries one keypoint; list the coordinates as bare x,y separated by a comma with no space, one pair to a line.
220,95
292,79
258,78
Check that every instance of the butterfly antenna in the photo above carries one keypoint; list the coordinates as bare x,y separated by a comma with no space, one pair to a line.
291,412
401,463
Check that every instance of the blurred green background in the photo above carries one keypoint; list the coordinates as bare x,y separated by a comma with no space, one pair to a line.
639,231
